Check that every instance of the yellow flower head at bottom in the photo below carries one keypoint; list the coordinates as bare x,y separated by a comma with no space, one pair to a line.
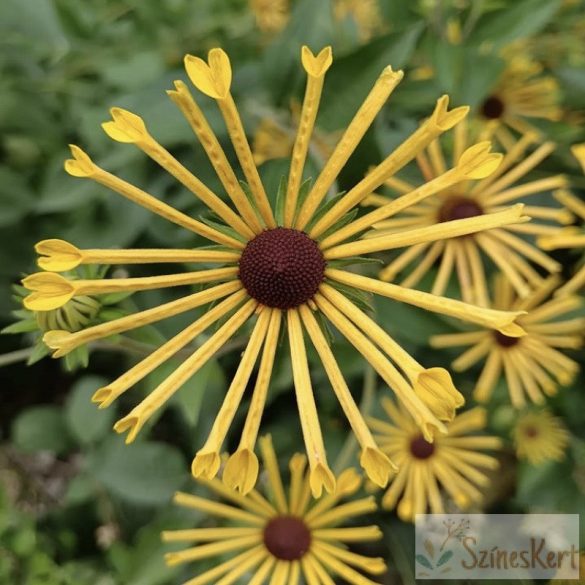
533,365
283,537
539,437
454,461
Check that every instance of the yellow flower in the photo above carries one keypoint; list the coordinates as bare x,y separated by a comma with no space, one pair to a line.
271,15
283,537
364,13
533,365
539,437
523,91
453,461
277,270
571,237
504,246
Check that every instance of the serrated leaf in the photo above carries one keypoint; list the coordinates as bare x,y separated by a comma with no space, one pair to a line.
323,209
346,219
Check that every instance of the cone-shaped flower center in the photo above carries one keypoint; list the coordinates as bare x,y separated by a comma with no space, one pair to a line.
420,448
505,340
492,108
282,268
287,538
531,432
458,207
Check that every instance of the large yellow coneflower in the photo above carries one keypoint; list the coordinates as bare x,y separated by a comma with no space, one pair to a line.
453,462
278,269
523,91
571,237
539,437
532,365
282,538
466,256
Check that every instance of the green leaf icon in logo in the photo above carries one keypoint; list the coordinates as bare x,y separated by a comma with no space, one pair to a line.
444,557
421,559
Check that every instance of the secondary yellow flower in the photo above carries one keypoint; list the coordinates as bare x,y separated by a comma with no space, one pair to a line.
364,13
506,247
271,15
539,437
522,92
283,537
279,269
571,237
454,461
532,365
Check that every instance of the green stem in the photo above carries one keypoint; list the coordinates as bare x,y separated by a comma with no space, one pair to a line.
20,355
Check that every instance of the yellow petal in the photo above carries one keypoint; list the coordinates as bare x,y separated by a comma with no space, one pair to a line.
80,165
316,66
50,291
321,477
445,120
478,162
214,79
241,471
578,151
206,465
348,483
377,466
58,255
435,388
126,127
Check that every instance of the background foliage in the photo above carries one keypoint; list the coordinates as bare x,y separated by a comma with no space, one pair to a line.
76,506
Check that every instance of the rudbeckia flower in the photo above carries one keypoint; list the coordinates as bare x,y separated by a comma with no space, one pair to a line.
284,536
454,462
533,365
571,237
539,437
279,269
523,91
469,256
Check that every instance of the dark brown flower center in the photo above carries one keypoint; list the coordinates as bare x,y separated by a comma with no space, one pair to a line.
282,268
287,538
458,207
492,108
530,432
505,340
421,448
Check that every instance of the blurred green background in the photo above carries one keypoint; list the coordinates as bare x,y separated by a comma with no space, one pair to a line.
76,506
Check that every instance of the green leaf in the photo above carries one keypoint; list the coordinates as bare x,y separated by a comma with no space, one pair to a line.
145,473
85,421
522,19
41,428
466,73
422,560
444,557
280,201
351,77
22,327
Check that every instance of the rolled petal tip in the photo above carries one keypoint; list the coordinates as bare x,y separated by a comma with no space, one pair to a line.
125,127
377,466
316,65
213,79
58,255
80,165
241,471
206,465
321,477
